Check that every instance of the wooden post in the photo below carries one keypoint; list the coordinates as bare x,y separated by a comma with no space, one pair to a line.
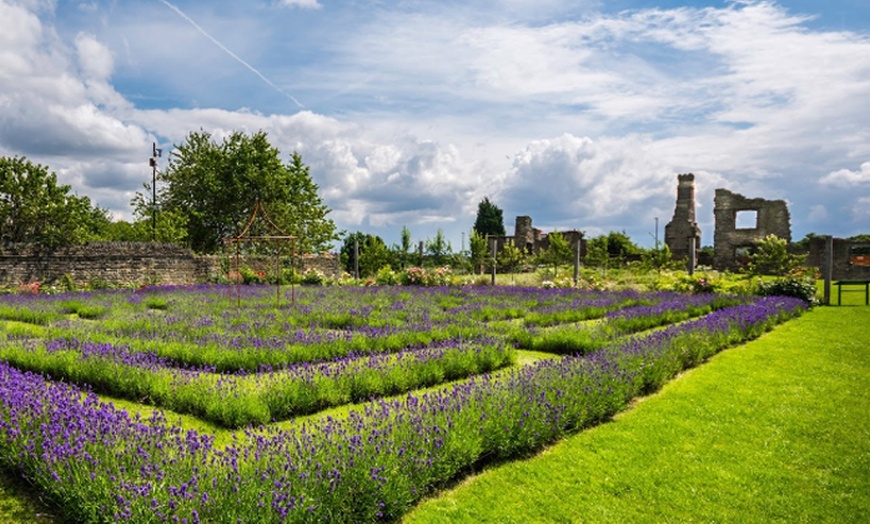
494,248
690,265
577,263
356,258
829,268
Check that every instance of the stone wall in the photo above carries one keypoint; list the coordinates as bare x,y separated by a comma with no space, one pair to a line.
845,264
123,264
730,244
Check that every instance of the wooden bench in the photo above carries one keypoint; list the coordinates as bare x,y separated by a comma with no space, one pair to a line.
853,283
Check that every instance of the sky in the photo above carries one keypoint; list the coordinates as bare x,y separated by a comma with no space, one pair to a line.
579,114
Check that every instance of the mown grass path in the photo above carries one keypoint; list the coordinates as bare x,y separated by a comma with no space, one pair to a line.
777,430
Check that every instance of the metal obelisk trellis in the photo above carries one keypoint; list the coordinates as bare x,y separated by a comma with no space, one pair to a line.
281,240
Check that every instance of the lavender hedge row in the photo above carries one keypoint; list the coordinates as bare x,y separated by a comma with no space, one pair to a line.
101,465
238,400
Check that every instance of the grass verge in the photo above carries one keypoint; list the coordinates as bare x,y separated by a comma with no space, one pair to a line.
775,430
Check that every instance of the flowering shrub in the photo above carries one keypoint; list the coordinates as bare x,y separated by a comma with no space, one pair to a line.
414,276
31,288
418,276
313,277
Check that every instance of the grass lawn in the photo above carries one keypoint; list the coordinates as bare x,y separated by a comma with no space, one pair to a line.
777,430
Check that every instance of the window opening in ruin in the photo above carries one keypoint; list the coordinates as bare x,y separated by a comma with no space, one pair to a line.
747,219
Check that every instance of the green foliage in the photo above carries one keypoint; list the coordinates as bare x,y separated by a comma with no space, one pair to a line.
438,250
313,277
168,225
214,188
801,288
657,258
771,257
596,252
490,219
387,277
478,251
34,208
373,254
558,251
620,245
402,253
510,258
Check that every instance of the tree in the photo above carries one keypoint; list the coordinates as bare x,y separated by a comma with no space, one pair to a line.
771,257
214,188
373,253
490,219
403,251
438,249
619,245
511,257
168,225
479,251
34,208
558,251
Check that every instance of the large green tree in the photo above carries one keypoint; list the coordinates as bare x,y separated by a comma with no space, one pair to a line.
214,187
35,208
490,219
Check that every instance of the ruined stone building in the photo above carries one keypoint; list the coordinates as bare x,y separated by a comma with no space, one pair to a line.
682,230
735,236
532,240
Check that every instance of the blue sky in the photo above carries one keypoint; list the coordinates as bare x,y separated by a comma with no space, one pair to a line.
578,113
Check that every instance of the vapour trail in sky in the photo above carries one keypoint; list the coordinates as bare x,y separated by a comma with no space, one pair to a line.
236,57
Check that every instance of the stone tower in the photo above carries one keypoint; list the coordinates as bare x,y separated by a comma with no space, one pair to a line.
683,229
524,234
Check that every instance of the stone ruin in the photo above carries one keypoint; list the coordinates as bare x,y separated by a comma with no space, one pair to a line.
532,240
682,231
733,242
733,239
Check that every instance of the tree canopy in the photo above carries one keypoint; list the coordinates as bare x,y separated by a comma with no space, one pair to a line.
36,209
373,253
490,219
213,188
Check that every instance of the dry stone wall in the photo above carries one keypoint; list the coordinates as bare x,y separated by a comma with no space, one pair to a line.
122,264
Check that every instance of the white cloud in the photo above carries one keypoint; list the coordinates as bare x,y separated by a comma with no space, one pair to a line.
304,4
415,107
95,59
846,178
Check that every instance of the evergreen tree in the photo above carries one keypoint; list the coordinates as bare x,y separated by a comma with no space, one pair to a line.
490,219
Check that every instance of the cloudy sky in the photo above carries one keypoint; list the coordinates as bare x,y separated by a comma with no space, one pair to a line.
577,113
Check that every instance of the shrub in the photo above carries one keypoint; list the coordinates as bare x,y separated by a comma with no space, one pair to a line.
313,277
803,289
386,277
